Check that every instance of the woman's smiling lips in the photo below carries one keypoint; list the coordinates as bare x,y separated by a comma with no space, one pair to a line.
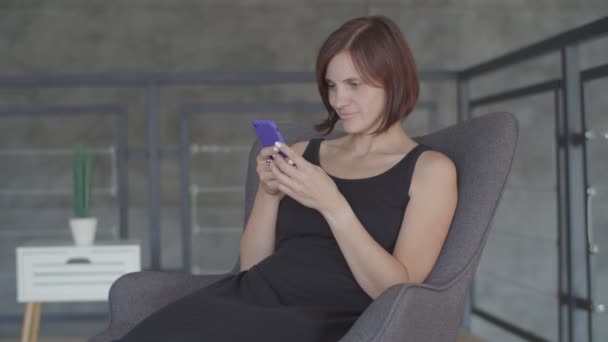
346,115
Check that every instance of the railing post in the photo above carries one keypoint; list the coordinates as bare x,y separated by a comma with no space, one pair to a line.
576,318
184,152
154,176
562,218
122,175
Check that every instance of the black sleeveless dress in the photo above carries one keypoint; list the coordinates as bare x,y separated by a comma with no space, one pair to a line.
305,291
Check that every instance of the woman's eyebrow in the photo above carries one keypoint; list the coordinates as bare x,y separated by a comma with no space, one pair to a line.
345,80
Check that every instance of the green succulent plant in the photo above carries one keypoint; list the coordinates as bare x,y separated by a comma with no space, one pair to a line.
82,168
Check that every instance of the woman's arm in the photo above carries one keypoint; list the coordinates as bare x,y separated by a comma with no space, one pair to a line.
433,198
259,238
427,218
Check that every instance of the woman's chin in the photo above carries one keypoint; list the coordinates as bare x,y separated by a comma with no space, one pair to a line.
349,127
353,128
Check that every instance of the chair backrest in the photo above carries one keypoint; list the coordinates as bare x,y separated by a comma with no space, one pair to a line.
482,149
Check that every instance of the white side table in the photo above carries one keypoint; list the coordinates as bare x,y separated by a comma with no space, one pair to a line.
63,272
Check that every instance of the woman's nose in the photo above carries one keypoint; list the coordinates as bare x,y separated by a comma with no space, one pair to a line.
340,98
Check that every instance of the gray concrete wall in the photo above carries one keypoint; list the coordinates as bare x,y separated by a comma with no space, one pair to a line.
517,275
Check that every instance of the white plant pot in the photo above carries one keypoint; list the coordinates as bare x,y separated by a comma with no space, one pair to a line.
83,230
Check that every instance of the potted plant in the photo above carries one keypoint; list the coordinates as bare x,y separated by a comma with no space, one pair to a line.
82,224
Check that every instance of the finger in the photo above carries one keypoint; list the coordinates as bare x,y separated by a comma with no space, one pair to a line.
292,155
282,177
265,153
287,168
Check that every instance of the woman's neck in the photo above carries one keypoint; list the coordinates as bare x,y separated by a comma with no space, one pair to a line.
394,140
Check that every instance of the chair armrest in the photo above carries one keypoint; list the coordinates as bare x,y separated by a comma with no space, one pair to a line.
421,312
135,296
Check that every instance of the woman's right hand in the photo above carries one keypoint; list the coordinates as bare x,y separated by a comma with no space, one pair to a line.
268,183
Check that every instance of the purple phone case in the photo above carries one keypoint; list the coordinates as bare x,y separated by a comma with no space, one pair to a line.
268,132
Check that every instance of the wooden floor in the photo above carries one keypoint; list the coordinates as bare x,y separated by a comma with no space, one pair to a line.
462,337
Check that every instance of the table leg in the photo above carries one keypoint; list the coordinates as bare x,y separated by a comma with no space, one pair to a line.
31,322
36,322
26,327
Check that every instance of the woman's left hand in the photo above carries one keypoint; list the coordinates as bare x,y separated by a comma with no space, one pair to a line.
306,183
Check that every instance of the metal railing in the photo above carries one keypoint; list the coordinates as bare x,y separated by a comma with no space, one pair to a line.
576,245
574,193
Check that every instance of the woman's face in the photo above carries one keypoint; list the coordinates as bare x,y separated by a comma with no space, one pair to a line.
359,105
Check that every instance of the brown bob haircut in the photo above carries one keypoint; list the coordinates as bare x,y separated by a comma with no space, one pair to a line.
382,57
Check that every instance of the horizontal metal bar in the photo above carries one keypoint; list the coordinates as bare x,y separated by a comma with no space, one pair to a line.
594,73
208,148
51,151
582,304
175,78
160,78
57,234
195,189
46,234
595,29
216,230
521,332
240,108
57,192
516,93
62,110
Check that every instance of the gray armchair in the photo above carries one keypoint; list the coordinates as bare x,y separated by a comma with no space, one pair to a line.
482,149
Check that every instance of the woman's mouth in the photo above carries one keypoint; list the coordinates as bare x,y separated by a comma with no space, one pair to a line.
346,115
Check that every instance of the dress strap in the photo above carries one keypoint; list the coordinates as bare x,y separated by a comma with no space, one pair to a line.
311,153
412,157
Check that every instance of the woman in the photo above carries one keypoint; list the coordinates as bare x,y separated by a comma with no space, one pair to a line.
336,222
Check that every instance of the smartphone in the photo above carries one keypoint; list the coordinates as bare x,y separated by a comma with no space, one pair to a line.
268,132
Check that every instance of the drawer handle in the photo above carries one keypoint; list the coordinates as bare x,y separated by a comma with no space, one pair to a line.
78,261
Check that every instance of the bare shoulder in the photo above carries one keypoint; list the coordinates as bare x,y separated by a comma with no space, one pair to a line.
433,169
436,163
300,146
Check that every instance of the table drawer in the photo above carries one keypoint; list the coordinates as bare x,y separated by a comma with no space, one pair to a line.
72,274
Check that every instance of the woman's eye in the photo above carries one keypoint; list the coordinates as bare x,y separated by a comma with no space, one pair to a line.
354,85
